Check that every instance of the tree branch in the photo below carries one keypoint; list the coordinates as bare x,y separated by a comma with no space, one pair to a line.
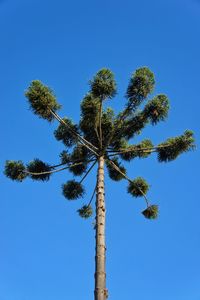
57,170
152,149
126,177
100,129
118,169
88,172
81,139
92,195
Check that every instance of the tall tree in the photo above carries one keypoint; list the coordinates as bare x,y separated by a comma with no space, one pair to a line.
102,138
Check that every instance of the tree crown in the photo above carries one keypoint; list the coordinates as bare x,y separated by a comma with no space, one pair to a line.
102,133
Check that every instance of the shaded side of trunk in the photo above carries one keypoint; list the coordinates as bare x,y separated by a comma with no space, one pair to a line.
100,292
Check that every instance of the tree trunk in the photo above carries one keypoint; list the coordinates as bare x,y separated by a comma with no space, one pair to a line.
100,292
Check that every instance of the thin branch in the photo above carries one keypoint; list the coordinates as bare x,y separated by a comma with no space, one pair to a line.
118,169
126,177
54,171
92,195
109,140
122,118
96,131
125,150
88,172
81,139
72,131
118,153
100,129
56,166
124,113
145,197
73,161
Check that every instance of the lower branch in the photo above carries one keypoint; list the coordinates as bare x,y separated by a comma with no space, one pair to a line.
57,170
127,178
88,171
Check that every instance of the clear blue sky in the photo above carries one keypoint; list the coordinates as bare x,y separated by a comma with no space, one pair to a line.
47,251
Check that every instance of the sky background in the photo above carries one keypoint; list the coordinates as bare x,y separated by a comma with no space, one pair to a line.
47,251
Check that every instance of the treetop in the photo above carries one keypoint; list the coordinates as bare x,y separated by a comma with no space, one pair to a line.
102,133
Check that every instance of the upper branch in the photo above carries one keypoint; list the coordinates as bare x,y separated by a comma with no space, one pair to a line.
167,151
86,143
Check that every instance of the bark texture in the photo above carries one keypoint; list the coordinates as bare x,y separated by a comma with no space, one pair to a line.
100,292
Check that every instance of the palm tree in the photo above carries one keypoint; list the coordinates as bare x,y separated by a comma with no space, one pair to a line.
102,138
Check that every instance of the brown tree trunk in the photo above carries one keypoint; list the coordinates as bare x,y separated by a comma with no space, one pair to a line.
100,292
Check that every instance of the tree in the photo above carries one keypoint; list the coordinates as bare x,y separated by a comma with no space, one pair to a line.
102,138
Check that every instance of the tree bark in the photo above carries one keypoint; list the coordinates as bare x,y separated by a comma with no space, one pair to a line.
100,292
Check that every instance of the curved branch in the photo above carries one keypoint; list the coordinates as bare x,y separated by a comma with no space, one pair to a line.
54,171
126,177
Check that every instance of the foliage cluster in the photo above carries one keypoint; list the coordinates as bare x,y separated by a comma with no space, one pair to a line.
85,211
42,100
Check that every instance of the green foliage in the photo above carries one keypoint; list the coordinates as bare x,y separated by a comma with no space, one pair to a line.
38,166
119,143
129,153
78,169
107,125
113,173
138,187
134,151
85,211
151,212
173,147
134,125
103,84
115,132
141,84
42,99
72,190
79,154
157,109
145,144
63,133
15,170
89,117
65,157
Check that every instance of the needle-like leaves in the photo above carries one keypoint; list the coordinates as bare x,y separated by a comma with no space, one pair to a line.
138,187
157,109
63,133
73,190
133,151
113,173
141,84
151,212
79,154
42,100
38,166
173,147
15,170
103,84
65,157
85,211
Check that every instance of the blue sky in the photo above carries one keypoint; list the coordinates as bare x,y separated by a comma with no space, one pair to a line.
47,251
